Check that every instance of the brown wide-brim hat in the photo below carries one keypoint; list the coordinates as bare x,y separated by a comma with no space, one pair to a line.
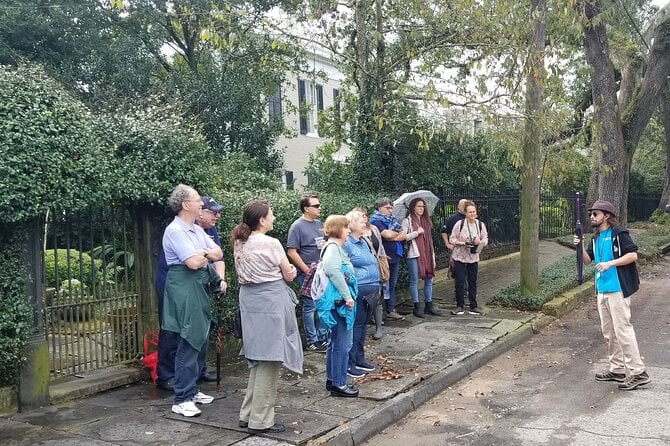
602,205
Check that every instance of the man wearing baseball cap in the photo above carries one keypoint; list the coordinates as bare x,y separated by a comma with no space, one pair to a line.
616,278
167,341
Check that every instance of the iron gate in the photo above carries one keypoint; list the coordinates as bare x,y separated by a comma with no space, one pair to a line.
90,299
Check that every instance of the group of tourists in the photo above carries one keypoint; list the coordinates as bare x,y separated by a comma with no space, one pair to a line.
360,258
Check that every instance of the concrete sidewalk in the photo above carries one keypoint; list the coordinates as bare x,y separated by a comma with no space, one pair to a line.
416,359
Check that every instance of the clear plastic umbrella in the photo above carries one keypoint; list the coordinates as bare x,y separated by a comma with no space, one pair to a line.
401,204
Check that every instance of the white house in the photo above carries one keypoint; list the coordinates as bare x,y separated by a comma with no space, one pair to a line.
312,93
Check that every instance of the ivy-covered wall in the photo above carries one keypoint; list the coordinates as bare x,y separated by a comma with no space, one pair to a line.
15,312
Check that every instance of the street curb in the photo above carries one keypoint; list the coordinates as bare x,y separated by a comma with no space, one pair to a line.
360,429
569,300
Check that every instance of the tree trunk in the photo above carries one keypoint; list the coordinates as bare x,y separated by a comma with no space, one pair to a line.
532,142
609,142
665,119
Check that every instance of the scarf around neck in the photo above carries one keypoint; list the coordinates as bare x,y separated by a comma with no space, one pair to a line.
424,242
389,221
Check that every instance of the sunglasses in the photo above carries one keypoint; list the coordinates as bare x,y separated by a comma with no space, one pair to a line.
593,214
316,206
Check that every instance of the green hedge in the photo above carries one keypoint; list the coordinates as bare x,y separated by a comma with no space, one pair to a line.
554,280
15,312
79,267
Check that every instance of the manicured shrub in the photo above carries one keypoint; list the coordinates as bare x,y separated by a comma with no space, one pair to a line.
80,265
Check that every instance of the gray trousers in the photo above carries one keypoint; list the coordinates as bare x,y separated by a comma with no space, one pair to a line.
258,407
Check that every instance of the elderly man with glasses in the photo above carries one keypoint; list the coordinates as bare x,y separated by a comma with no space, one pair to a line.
168,342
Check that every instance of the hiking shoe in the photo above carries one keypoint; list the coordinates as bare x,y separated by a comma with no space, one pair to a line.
458,311
355,372
187,408
395,316
318,347
634,381
201,398
476,310
611,376
366,366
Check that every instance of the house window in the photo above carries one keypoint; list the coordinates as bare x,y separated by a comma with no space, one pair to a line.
274,106
310,98
479,125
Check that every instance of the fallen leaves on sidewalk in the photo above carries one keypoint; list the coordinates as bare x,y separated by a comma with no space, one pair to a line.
386,372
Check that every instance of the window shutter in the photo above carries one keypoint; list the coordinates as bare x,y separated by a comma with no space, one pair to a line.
302,103
319,104
275,107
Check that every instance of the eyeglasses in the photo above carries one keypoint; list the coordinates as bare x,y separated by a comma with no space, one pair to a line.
213,212
316,206
593,214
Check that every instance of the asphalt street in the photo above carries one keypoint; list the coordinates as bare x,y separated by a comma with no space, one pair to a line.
543,392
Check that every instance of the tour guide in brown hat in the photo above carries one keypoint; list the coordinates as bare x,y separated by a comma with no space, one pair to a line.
616,278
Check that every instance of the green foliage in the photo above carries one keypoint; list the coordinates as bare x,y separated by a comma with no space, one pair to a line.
457,162
660,217
15,312
327,174
154,149
49,155
565,171
114,264
240,172
554,280
647,174
71,264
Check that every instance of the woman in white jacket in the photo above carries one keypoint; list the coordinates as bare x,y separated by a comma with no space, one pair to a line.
420,256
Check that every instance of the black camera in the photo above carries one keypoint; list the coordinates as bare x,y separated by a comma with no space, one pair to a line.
473,248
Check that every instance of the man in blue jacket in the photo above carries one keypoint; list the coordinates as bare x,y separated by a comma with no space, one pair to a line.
616,278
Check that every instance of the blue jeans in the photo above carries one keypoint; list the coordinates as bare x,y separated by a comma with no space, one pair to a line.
357,352
168,342
337,355
389,287
312,334
413,269
187,372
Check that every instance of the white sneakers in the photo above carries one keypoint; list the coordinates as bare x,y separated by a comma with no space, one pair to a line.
188,408
201,398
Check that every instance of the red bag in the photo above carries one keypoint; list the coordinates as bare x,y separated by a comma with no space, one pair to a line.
150,360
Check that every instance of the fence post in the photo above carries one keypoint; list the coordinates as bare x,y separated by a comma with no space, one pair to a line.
148,312
34,372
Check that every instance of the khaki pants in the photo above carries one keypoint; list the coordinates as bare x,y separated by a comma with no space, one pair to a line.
258,407
622,348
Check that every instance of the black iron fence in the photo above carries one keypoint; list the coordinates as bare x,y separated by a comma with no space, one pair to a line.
89,297
500,211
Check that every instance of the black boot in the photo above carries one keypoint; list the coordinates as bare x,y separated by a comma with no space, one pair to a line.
430,310
417,311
